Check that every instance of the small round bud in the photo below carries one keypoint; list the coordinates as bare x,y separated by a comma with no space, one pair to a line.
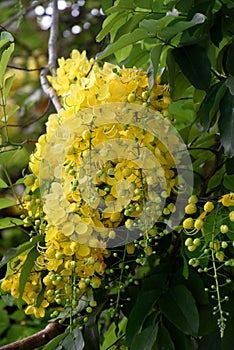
208,207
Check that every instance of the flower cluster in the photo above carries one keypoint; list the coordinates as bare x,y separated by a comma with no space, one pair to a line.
209,244
70,258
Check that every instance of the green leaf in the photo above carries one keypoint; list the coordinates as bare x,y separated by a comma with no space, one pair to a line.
109,23
7,36
228,182
5,203
146,4
3,184
125,40
130,24
106,4
146,339
5,156
10,222
14,252
26,269
154,26
7,86
230,84
4,42
127,5
216,179
52,345
163,341
177,80
173,29
195,65
122,54
229,165
210,105
155,55
143,305
78,337
4,321
226,123
230,61
178,306
4,61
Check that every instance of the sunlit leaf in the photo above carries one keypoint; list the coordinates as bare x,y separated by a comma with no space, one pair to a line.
7,86
125,40
5,203
3,184
10,222
4,61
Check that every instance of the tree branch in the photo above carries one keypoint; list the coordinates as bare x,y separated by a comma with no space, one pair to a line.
38,339
52,58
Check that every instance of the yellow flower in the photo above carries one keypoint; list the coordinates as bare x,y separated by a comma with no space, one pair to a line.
227,200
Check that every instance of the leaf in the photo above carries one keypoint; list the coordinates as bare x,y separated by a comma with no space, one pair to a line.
5,156
210,105
106,4
230,61
7,36
144,303
125,40
79,341
154,26
52,345
230,84
4,61
4,321
178,306
229,165
4,42
7,86
131,24
5,203
177,80
163,341
146,339
10,222
3,184
228,182
14,252
109,23
26,269
195,65
226,123
172,30
155,55
146,4
127,5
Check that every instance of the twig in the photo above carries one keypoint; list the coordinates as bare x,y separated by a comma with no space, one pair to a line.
38,339
52,58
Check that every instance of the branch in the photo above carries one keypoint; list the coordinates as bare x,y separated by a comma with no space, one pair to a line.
38,339
52,58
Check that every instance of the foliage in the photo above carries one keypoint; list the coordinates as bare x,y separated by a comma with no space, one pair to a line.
170,287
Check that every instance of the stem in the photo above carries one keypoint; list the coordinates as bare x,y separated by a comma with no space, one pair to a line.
52,58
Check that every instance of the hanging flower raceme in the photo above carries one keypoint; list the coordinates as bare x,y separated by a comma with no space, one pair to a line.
70,259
